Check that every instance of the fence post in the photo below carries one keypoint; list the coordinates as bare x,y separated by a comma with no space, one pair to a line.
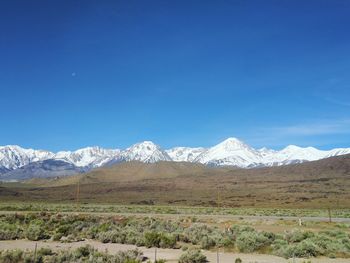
36,245
329,215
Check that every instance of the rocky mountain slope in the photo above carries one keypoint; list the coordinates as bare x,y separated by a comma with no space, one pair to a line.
43,169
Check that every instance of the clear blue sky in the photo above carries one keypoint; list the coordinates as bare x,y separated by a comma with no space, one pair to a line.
112,73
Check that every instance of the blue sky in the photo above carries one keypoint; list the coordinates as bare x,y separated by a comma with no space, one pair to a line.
112,73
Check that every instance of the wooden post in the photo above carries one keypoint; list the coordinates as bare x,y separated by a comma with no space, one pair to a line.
217,256
36,245
329,215
218,197
155,255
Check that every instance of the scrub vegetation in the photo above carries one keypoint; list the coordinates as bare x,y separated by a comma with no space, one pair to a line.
81,254
176,233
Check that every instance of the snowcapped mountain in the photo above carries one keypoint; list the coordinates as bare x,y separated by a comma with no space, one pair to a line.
184,154
146,152
231,152
294,154
13,156
91,157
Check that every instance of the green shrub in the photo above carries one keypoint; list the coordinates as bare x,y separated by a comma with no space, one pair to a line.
279,246
35,232
167,241
84,251
184,248
298,236
10,231
227,241
129,256
45,251
108,237
251,241
11,256
238,229
192,256
303,249
207,242
207,237
152,239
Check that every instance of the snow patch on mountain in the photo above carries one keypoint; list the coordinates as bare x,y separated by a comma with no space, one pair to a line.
184,154
338,151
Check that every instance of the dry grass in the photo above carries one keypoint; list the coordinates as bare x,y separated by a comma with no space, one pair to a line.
309,185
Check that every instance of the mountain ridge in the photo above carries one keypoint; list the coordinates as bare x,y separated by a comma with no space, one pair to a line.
230,152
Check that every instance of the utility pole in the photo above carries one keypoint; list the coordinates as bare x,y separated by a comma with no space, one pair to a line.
77,194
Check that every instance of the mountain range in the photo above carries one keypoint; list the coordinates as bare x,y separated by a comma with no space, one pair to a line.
19,163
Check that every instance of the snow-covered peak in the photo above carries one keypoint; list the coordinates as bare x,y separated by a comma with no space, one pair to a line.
266,155
230,152
263,149
145,145
146,151
291,148
293,152
11,148
13,156
89,156
232,144
184,154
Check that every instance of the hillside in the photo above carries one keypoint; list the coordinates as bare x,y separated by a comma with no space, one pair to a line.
314,184
134,171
